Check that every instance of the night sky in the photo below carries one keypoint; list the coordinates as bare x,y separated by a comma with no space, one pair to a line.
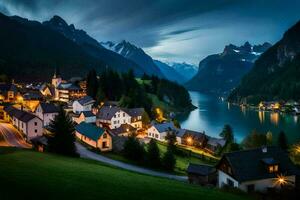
185,30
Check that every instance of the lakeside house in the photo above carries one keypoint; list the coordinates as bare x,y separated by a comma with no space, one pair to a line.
46,112
124,130
159,131
213,144
83,104
192,138
28,124
202,174
94,136
257,169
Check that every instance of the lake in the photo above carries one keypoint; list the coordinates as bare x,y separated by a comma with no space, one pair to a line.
212,113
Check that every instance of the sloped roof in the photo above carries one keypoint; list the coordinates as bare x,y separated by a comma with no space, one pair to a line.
124,128
68,86
86,100
135,112
19,114
107,112
4,87
89,130
164,127
49,108
216,141
202,170
87,113
250,164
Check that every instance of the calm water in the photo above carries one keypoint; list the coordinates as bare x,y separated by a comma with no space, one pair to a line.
212,114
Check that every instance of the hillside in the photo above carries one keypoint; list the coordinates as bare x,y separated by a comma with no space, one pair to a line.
220,73
30,50
170,73
32,175
275,75
135,54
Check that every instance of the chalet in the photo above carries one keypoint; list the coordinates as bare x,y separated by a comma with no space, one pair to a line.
136,115
159,131
192,138
83,104
85,116
94,136
8,92
256,169
29,124
123,130
46,112
112,117
202,174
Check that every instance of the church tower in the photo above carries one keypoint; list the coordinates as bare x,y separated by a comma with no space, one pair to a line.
56,79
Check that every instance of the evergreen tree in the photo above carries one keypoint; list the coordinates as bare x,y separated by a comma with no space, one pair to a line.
63,140
254,140
169,160
282,141
133,150
153,155
171,139
227,133
92,84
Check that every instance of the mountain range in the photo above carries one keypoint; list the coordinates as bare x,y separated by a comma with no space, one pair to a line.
220,73
170,72
275,75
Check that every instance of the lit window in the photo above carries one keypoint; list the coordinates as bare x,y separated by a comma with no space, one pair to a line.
273,168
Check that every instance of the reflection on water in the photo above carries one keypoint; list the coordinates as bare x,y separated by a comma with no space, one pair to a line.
212,114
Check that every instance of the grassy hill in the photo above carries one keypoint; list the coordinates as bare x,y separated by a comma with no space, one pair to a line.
32,175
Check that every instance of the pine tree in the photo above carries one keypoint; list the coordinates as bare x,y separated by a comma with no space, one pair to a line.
133,150
63,140
92,84
169,160
153,155
227,133
282,141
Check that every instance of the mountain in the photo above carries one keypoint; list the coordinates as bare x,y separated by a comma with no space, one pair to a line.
220,73
31,51
135,54
169,72
188,71
276,74
92,46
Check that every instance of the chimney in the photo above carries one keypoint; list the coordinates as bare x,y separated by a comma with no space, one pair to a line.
264,149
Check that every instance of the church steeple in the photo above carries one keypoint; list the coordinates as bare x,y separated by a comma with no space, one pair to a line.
56,80
56,72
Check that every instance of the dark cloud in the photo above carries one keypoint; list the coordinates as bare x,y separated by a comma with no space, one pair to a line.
171,29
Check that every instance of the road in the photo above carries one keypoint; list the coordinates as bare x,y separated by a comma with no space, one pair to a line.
85,153
10,136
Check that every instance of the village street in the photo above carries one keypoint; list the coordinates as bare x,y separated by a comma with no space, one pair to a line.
85,153
9,136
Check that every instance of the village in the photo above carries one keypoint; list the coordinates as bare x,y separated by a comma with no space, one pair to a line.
105,127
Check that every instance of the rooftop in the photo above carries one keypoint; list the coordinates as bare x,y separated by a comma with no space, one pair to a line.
89,130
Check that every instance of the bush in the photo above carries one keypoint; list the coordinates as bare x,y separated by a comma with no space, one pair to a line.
169,160
153,155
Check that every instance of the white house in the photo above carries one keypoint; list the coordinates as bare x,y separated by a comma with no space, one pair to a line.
83,104
136,115
256,169
46,112
85,116
29,124
112,117
159,131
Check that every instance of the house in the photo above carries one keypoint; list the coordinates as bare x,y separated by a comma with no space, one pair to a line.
8,92
29,124
85,116
46,112
213,144
256,169
94,136
159,131
124,130
202,174
83,104
136,115
112,117
47,91
192,138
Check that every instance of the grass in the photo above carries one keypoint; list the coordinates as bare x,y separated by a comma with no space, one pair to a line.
182,162
25,174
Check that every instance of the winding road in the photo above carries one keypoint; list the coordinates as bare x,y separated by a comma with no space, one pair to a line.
11,137
85,153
